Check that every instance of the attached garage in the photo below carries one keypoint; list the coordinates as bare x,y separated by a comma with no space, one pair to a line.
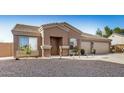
86,45
101,47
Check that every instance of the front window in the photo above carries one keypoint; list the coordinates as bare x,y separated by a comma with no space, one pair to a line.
23,41
33,43
73,42
28,41
73,46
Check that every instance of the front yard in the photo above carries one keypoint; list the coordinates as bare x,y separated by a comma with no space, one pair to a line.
59,68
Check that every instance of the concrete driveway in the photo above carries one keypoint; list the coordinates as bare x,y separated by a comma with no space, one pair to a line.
114,57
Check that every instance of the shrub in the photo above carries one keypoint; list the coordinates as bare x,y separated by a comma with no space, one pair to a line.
26,49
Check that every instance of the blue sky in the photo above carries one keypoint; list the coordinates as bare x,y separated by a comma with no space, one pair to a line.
86,23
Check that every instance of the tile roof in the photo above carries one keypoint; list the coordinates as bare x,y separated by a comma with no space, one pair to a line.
22,27
94,36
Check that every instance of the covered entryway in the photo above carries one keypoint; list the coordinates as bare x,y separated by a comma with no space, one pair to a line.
55,43
101,47
86,45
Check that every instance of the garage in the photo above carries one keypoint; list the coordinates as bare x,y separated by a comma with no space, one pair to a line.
86,45
101,47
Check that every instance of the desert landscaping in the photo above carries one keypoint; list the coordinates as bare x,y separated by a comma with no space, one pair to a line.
85,66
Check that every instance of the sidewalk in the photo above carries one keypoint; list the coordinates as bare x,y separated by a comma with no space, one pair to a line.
115,57
6,58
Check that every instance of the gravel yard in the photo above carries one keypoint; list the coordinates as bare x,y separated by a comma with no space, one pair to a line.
59,68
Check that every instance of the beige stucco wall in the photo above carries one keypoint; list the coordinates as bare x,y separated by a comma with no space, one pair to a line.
116,39
76,35
65,33
55,32
86,45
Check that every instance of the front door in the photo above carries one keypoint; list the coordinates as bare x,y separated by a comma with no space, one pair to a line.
55,43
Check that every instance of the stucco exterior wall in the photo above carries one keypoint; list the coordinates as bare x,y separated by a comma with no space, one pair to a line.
65,33
86,45
116,39
55,32
76,35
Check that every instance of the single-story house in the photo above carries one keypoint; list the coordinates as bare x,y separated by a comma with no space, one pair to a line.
117,42
50,39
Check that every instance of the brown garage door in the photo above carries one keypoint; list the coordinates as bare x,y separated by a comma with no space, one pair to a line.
6,49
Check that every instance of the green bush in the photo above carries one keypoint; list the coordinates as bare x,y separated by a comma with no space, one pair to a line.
26,49
76,50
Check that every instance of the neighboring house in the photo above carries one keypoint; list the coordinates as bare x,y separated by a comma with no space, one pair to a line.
46,39
6,49
117,41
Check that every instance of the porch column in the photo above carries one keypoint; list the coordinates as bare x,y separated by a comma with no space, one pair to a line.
42,35
43,43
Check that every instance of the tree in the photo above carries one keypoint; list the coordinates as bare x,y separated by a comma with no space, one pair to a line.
117,30
122,30
99,32
107,32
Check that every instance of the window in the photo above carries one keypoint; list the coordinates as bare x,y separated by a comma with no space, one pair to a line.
33,43
28,41
73,42
23,41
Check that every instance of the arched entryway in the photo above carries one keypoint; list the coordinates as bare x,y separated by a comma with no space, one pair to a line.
55,43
